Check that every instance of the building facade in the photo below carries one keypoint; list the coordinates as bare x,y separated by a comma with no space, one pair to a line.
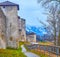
31,37
22,30
9,25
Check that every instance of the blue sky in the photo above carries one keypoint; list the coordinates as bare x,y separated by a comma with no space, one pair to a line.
31,11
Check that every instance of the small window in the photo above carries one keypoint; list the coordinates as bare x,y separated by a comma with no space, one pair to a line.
3,6
20,29
22,35
11,38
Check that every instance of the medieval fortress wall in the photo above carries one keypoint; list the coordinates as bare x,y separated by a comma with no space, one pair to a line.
23,31
22,26
12,26
9,26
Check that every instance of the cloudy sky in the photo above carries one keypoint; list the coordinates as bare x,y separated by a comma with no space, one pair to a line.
30,10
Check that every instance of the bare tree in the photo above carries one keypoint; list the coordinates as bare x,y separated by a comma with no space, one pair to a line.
58,27
47,28
53,17
46,2
55,22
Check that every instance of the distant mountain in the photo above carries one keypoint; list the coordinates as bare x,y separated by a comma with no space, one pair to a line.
38,30
41,33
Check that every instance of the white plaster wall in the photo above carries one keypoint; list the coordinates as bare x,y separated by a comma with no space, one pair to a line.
31,38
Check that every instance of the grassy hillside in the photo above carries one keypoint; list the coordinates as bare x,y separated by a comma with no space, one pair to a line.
46,43
9,52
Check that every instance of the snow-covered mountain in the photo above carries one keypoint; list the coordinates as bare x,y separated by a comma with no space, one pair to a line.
41,33
38,30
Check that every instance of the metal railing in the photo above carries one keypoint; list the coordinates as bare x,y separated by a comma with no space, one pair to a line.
51,49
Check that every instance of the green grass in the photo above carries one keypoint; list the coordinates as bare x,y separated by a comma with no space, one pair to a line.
9,52
22,43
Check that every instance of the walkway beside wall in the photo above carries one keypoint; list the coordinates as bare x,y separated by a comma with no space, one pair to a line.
28,54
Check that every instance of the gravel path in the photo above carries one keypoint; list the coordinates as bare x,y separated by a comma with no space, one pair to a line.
28,54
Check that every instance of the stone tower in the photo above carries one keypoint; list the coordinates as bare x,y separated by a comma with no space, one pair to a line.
22,25
12,32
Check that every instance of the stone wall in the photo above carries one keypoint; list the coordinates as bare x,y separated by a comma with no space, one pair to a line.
2,30
31,38
12,31
22,29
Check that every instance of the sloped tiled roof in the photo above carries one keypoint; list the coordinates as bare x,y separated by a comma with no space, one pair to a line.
22,19
32,33
8,3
